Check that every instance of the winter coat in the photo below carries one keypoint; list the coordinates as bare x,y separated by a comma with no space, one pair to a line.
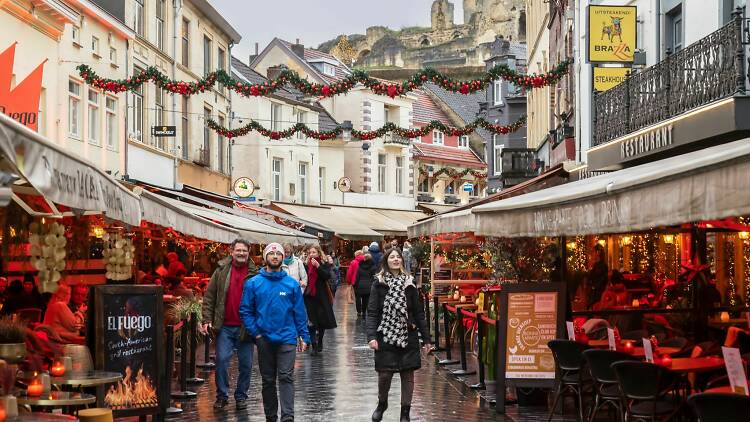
390,358
272,307
175,265
296,270
377,256
351,272
365,277
214,300
320,307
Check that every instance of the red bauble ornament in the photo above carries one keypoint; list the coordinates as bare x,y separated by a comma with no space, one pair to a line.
392,91
464,89
326,91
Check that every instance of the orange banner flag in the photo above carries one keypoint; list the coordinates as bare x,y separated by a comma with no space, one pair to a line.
22,102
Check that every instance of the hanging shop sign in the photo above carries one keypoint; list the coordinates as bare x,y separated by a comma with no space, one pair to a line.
21,103
468,187
531,315
606,78
129,328
612,33
244,187
164,131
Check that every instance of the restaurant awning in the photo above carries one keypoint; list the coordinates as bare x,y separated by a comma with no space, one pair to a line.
460,221
703,185
252,230
346,222
166,212
62,177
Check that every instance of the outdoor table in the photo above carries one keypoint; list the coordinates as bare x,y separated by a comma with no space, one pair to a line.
639,352
724,389
79,380
56,399
41,417
605,342
717,323
703,364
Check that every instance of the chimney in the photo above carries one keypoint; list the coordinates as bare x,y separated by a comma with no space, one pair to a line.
273,72
253,56
299,49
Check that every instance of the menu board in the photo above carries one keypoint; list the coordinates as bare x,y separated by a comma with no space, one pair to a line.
532,323
530,315
130,340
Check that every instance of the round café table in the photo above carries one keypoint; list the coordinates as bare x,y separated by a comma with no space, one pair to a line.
80,380
55,399
41,417
605,343
697,365
725,389
639,352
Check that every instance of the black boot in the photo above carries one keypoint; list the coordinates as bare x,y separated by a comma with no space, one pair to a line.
377,415
320,340
405,413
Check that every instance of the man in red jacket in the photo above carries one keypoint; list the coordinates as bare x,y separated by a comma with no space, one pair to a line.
351,273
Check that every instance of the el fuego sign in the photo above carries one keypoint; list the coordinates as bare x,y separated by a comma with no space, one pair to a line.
22,102
612,33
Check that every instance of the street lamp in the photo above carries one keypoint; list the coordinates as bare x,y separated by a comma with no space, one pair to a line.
347,130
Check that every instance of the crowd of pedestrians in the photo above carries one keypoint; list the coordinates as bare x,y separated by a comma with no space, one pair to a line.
287,306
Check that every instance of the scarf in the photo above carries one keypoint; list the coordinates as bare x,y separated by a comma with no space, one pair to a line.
312,277
394,322
288,260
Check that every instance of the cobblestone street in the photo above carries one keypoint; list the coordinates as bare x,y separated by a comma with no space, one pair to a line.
341,385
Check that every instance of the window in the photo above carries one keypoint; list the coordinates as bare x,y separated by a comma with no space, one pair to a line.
75,34
301,118
159,116
112,55
221,59
303,183
161,26
275,116
138,24
186,43
206,153
386,115
206,55
381,172
322,184
497,92
450,187
185,126
399,175
463,141
222,165
95,45
111,122
136,125
498,147
276,174
674,29
94,126
74,109
325,68
424,186
437,137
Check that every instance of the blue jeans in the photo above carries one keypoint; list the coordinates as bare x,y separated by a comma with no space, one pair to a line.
226,342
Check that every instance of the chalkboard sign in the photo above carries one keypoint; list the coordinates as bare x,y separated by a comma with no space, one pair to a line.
531,314
130,340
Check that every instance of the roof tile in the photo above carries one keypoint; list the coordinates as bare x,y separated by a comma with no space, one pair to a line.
449,155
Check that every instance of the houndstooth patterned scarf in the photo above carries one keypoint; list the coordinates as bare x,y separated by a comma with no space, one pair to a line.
394,323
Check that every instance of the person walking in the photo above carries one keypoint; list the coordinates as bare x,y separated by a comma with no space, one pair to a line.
366,272
393,318
273,311
351,274
318,297
374,250
407,256
221,312
294,266
333,259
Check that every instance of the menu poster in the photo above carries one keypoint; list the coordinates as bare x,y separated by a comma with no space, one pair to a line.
130,340
531,315
571,330
611,339
648,350
735,370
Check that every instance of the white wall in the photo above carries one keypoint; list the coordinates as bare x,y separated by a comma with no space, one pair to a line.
149,166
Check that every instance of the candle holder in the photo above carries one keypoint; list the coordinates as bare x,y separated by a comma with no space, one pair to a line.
35,388
629,348
57,369
724,317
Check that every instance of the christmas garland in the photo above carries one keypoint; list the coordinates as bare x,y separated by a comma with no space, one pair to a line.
290,77
453,173
366,135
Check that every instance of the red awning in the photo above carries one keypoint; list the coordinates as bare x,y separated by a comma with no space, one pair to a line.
449,155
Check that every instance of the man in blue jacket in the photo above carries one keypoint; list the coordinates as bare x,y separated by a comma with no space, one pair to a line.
273,312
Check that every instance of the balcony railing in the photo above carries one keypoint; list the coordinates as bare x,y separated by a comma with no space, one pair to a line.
708,70
203,158
393,139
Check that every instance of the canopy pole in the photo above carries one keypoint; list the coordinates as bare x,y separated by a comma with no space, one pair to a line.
432,267
699,246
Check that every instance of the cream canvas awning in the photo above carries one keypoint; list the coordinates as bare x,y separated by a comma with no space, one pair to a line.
62,177
166,212
344,222
452,222
703,185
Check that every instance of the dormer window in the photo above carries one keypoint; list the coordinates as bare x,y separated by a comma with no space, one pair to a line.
326,68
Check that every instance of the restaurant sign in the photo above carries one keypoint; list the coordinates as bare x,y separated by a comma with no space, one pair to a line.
21,103
129,339
532,315
611,33
606,78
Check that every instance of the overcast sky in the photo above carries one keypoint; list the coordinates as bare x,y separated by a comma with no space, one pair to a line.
316,21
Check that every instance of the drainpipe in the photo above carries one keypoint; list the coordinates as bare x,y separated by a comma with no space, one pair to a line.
658,31
230,141
126,176
577,66
176,9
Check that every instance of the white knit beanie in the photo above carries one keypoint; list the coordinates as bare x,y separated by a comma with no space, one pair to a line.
273,247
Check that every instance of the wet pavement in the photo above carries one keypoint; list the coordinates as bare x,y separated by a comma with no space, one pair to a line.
341,385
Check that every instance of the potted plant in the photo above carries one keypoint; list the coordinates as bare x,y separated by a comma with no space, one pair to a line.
12,340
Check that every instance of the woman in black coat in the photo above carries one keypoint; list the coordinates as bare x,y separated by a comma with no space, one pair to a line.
363,283
318,297
394,315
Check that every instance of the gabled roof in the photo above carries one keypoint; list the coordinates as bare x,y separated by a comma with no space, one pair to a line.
341,70
465,106
218,19
425,110
449,155
326,122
